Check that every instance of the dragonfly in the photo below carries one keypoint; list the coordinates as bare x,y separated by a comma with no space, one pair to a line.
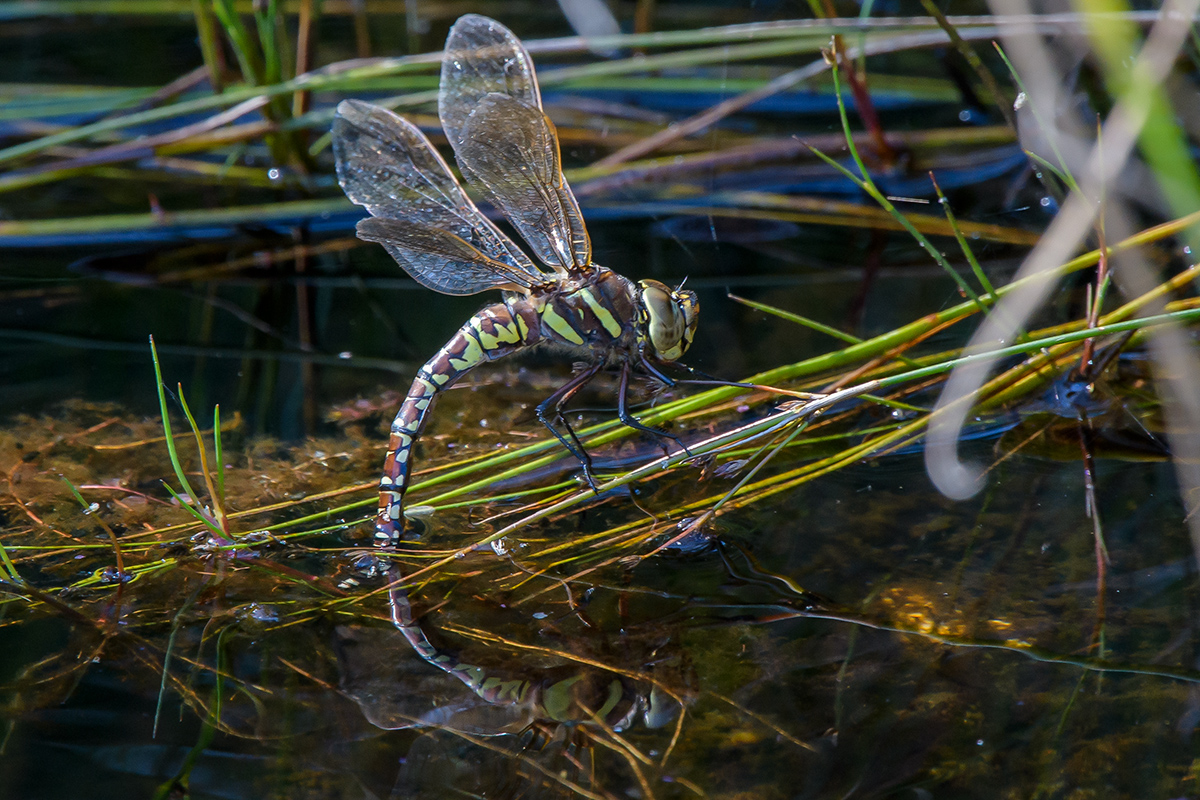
506,148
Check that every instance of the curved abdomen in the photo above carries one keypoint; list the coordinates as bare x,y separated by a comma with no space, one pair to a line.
493,333
595,319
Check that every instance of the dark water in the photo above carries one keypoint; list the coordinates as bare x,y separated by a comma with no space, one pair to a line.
852,635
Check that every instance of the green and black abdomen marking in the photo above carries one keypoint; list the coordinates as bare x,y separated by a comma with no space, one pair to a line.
588,317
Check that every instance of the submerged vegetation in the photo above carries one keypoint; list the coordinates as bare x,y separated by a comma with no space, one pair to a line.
191,602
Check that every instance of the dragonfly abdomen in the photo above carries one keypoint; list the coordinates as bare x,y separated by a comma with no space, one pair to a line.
493,333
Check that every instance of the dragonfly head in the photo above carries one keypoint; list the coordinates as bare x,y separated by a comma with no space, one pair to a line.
660,708
671,317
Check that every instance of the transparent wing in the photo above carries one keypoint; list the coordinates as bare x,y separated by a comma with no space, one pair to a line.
387,165
482,57
440,260
505,145
510,152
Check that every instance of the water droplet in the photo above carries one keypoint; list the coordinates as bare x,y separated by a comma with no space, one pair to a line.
1045,202
274,174
964,115
1019,102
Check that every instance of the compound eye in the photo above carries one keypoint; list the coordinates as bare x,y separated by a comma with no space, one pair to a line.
689,306
661,708
666,324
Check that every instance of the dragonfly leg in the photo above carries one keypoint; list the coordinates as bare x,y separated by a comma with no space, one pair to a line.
556,402
630,421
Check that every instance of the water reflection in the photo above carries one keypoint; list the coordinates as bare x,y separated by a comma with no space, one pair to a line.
565,707
859,637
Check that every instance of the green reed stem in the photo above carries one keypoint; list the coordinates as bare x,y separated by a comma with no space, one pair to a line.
867,184
807,322
193,499
162,406
210,45
980,275
240,41
1044,124
1047,342
218,512
10,568
997,96
219,497
1162,142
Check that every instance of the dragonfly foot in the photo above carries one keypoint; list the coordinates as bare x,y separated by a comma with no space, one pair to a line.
682,446
590,478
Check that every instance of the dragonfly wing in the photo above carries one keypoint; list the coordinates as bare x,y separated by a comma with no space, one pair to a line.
511,153
491,110
386,164
482,57
439,260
